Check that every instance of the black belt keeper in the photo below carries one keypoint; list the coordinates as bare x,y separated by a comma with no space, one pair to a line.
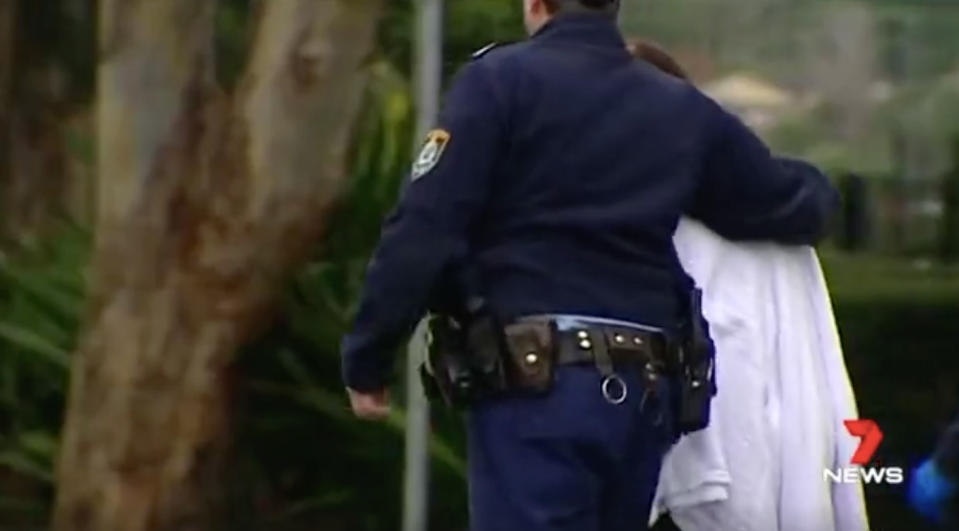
604,363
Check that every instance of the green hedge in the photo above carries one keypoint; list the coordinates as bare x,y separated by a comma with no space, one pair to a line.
899,323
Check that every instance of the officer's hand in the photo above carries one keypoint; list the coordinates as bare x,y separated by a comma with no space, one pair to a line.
370,406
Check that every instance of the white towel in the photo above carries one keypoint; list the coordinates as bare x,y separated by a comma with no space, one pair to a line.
848,504
783,393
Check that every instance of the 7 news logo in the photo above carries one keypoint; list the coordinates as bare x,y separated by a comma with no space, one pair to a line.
870,434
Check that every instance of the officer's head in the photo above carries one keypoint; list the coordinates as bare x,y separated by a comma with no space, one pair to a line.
538,12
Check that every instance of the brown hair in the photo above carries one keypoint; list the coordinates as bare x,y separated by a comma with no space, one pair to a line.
555,6
657,56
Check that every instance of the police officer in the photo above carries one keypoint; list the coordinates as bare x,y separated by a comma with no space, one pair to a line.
558,172
934,485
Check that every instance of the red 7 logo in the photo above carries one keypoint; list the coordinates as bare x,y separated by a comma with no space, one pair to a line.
871,436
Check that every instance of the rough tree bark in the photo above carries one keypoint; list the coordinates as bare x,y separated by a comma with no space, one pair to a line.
205,202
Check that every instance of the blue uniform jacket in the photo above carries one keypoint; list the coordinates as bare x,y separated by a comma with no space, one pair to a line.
947,452
559,171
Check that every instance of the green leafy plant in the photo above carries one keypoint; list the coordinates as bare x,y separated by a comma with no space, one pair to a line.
41,299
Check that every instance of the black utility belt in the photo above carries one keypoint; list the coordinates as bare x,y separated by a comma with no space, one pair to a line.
624,344
483,360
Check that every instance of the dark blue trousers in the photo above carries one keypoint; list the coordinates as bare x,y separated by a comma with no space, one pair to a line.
570,460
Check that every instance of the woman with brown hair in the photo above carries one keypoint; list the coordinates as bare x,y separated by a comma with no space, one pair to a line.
776,422
657,56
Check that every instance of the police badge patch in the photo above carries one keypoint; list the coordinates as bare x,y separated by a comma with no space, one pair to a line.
429,157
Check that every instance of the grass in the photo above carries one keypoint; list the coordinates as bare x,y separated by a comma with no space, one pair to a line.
861,277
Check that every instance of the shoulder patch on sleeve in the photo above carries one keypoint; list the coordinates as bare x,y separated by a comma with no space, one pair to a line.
484,50
430,155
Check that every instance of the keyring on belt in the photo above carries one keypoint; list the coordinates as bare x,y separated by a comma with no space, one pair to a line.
607,392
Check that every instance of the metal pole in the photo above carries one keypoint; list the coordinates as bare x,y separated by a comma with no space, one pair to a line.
428,72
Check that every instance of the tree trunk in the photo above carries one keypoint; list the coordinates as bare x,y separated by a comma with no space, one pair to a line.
205,204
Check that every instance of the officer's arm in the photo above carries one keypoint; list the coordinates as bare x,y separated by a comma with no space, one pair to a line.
429,228
747,194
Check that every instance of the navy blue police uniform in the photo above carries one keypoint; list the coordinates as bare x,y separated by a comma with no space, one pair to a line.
559,170
934,485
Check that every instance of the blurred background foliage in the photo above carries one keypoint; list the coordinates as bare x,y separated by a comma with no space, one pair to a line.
302,461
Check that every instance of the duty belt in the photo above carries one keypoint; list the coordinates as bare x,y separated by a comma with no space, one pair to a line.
607,346
480,358
621,345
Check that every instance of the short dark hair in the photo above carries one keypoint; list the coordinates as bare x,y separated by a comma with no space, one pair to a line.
556,6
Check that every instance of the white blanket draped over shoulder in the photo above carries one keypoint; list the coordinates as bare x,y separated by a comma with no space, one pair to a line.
783,395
